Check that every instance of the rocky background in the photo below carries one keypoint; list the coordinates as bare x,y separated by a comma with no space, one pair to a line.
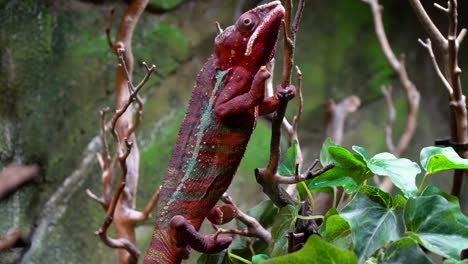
56,73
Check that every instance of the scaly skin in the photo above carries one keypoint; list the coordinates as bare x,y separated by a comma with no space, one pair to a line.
227,98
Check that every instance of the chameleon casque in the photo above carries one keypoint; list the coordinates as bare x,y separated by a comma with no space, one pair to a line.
226,101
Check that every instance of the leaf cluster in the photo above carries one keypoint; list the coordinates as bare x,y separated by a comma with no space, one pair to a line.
374,226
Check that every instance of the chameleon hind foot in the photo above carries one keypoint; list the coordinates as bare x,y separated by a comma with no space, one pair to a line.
186,235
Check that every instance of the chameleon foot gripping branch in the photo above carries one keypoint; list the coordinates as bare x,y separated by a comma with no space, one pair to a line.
226,101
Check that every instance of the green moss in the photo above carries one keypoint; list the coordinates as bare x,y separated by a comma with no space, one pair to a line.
165,4
166,43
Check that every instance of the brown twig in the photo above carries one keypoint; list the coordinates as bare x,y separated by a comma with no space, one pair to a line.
13,177
387,92
336,115
120,207
267,177
448,46
411,93
253,227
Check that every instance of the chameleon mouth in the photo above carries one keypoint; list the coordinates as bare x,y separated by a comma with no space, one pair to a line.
273,11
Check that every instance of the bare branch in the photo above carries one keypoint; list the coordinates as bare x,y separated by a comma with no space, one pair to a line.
428,46
11,240
136,216
387,92
411,93
254,228
461,36
267,176
13,177
441,8
336,115
428,25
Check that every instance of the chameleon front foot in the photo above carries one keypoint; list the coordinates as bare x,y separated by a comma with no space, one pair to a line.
186,235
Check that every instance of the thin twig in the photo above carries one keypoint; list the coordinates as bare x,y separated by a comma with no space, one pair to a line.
387,92
253,227
426,21
428,46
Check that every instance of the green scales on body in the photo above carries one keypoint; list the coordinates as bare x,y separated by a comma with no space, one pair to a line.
228,97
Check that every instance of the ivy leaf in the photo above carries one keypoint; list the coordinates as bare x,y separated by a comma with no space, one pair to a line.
405,250
288,165
349,172
435,159
338,232
323,227
402,172
325,157
257,259
284,223
316,251
373,221
436,222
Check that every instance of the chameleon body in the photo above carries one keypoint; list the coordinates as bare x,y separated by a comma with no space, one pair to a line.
226,101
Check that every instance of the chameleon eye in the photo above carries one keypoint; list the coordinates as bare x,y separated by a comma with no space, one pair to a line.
246,23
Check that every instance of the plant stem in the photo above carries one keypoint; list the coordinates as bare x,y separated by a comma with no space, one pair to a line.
241,259
334,196
423,183
311,198
310,217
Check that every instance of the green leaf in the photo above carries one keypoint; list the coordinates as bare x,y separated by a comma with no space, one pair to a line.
338,232
325,158
437,223
216,258
405,250
259,258
451,261
334,177
316,251
322,230
349,172
288,165
284,223
373,221
402,172
435,159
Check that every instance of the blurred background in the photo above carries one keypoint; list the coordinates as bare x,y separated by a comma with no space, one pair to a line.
57,72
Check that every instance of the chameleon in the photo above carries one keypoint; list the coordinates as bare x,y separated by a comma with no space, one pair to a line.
227,99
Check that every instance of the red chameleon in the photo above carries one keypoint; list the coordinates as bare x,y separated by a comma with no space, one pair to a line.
226,101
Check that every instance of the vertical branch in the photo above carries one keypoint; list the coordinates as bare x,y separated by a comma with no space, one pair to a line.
120,209
267,177
411,92
448,47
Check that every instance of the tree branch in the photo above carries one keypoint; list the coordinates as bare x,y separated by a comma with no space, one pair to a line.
267,176
13,177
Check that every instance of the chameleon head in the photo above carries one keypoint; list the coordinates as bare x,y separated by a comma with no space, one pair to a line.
251,42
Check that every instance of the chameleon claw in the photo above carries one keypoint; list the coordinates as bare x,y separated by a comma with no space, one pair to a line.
223,214
186,235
